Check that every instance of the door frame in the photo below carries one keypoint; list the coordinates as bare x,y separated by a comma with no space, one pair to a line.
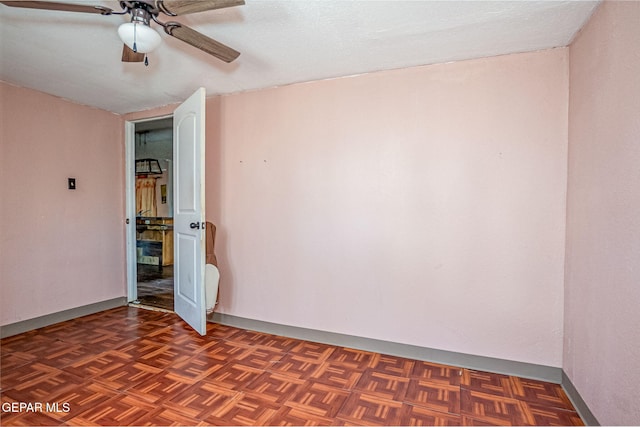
130,202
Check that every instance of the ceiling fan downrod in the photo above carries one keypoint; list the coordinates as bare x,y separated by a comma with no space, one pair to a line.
139,15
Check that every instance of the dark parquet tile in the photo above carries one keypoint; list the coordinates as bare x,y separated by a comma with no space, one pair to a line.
244,409
471,421
216,330
11,361
292,416
123,409
189,343
313,351
127,376
103,340
392,365
196,368
224,350
260,357
336,374
541,393
433,395
26,375
44,388
29,419
384,385
421,416
167,417
353,359
248,337
274,387
495,409
61,354
319,399
139,349
130,366
434,372
29,342
37,348
277,343
100,364
83,398
297,366
545,416
235,375
69,332
167,356
157,387
202,400
486,382
367,409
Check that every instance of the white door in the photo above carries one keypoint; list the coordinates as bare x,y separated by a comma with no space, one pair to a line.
188,221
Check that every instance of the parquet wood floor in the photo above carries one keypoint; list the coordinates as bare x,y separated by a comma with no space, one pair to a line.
130,366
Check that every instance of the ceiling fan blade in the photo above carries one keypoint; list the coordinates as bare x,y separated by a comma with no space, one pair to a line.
200,41
65,7
128,55
183,7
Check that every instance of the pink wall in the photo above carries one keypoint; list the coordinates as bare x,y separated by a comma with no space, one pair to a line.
60,248
602,311
422,206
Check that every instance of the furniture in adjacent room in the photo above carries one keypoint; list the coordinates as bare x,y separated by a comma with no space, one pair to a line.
154,240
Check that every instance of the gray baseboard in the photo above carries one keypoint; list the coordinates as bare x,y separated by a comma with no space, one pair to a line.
578,403
61,316
470,361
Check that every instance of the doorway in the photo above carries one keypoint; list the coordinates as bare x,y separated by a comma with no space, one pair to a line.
185,197
153,153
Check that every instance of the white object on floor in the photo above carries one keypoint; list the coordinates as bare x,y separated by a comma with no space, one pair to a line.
211,280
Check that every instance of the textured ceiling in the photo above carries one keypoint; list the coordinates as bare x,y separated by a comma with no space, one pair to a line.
77,56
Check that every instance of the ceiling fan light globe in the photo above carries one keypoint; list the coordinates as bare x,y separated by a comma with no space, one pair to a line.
145,37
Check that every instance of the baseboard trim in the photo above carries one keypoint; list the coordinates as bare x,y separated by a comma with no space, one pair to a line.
463,360
578,403
61,316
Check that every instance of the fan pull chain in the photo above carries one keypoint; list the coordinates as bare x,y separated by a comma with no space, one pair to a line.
135,27
146,61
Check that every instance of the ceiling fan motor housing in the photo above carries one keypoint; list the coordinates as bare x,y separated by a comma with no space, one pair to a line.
140,11
149,6
140,16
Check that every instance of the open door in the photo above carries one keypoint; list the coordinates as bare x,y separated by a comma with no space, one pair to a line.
189,219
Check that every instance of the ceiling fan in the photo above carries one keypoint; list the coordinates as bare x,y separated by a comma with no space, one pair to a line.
138,36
